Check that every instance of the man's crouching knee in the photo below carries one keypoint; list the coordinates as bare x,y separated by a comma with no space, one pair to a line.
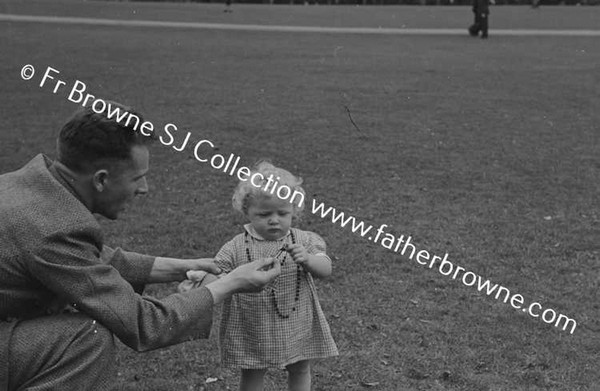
103,338
66,351
98,348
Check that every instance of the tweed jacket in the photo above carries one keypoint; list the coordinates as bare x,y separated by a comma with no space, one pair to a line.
52,254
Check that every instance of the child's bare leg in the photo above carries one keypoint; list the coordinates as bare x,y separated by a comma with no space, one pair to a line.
299,376
252,379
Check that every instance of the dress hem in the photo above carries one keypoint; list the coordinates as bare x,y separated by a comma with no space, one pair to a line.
278,366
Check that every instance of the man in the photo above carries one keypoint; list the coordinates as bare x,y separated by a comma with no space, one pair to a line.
481,10
63,294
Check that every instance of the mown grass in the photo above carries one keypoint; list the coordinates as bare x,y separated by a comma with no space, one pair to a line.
486,150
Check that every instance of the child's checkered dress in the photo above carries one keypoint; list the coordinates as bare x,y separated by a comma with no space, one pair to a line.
252,334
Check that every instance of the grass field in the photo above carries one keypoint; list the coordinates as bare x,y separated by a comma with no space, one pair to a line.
487,150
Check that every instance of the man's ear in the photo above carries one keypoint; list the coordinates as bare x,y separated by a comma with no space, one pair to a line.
100,179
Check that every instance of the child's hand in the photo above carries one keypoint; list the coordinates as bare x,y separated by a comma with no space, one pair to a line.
299,253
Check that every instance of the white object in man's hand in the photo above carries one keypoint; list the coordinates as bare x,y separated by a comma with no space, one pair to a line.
196,275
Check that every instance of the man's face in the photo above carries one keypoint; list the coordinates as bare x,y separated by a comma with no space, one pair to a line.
124,181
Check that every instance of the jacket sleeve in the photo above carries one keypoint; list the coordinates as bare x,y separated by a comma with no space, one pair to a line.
70,265
133,267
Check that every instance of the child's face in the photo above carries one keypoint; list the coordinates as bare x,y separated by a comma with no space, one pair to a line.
271,217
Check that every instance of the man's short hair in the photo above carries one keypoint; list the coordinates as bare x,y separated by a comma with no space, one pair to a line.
89,139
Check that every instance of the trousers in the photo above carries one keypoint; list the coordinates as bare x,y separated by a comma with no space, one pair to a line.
479,24
61,352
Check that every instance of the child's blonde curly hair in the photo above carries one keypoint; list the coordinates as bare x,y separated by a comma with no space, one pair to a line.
246,191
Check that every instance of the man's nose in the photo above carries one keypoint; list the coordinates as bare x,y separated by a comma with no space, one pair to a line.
143,189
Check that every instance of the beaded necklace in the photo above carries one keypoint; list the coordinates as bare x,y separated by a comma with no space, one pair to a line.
273,289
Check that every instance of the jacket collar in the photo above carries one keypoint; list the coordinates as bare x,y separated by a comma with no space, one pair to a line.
61,177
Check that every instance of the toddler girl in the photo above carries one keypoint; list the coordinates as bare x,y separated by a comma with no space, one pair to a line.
282,326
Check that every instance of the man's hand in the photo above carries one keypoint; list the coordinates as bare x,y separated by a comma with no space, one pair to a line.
173,269
204,264
249,277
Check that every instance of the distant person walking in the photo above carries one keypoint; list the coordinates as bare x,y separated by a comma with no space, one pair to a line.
481,9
